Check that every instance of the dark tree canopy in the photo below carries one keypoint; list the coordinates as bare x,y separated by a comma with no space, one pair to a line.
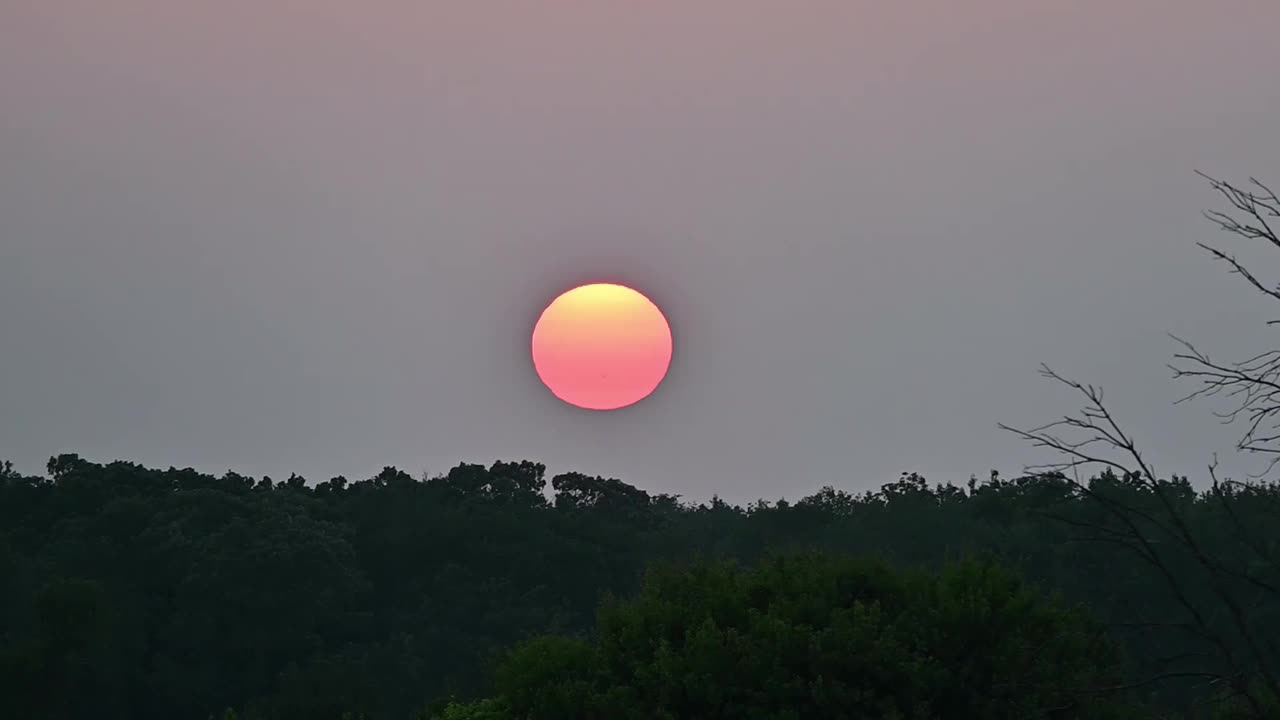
809,636
139,593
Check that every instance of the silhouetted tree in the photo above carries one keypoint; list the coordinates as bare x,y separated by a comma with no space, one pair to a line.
1222,600
814,636
172,593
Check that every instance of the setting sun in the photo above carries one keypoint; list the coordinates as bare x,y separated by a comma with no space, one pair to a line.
602,347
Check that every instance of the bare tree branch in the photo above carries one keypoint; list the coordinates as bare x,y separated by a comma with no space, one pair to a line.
1093,437
1254,383
1096,430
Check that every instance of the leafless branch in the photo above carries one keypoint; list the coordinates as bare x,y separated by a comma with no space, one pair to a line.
1093,437
1254,384
1257,207
1097,439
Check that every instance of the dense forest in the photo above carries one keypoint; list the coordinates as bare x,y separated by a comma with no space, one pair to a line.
1088,589
130,592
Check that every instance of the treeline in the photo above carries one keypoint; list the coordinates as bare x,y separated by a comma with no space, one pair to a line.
129,592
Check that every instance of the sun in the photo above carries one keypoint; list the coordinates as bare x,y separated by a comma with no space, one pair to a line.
602,347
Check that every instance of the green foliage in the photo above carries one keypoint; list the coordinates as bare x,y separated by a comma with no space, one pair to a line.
816,636
140,593
1234,707
479,710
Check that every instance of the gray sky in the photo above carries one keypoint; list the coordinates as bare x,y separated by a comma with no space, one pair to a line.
314,236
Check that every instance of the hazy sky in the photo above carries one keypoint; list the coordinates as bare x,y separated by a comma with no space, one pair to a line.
314,236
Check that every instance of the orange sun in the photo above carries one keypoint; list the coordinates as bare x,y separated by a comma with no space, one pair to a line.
602,347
